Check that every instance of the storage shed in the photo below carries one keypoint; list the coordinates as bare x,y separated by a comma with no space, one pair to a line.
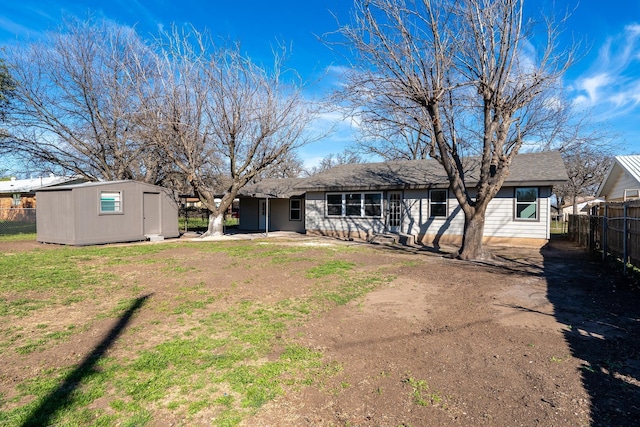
105,212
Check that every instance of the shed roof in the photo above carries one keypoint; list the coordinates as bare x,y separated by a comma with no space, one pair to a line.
542,168
97,184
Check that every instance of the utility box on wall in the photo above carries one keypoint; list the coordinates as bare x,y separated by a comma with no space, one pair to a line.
105,212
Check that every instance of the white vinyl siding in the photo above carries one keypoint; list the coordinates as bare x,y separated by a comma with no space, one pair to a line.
625,181
416,219
317,218
499,220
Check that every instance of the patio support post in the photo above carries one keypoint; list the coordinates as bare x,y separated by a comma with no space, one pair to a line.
266,219
605,220
625,238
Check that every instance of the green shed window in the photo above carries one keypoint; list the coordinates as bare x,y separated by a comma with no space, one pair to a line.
110,202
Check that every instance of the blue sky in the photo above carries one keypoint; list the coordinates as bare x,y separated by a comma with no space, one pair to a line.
607,78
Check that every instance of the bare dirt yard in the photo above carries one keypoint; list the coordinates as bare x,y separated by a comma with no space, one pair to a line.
537,337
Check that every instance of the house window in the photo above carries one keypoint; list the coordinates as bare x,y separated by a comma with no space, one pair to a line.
110,202
373,204
334,204
355,204
438,203
295,210
16,198
527,203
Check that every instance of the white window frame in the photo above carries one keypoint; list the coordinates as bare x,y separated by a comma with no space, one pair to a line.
517,204
445,203
16,200
293,209
362,211
117,202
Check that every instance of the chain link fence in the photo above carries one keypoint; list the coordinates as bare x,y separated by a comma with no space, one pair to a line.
17,220
193,219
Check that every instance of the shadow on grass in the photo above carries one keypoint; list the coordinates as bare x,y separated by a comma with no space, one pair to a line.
61,396
602,314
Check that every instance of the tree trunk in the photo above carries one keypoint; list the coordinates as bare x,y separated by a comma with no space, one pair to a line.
472,238
216,222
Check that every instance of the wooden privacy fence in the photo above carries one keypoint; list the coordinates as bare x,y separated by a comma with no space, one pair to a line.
613,228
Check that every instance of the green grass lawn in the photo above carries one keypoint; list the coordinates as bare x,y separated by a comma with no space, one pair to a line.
196,353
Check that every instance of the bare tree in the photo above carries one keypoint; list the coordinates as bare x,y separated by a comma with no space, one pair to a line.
76,102
223,119
331,160
586,168
389,132
467,75
7,86
587,147
290,166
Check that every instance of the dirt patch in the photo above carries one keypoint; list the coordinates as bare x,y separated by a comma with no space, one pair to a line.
515,342
535,338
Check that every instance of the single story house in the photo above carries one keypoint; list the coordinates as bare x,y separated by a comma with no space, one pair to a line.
409,197
584,206
622,181
19,194
105,212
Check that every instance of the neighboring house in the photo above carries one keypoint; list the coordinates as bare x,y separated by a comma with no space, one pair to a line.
105,212
622,181
413,198
21,193
584,205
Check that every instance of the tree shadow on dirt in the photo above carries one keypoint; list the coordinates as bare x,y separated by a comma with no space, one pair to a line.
601,311
62,396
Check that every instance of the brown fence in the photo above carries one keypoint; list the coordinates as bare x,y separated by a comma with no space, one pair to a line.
613,228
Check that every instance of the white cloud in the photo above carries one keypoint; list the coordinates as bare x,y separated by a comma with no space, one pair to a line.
592,86
611,84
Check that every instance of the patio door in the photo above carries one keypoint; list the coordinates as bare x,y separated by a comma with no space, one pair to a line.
394,219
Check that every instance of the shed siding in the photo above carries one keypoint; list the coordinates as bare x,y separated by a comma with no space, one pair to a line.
81,223
55,217
624,181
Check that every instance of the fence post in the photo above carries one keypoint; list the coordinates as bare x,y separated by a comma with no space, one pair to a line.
624,241
605,220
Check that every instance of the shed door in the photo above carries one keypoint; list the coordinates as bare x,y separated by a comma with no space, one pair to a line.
151,212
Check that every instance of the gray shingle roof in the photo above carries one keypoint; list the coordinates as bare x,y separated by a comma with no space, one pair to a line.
543,168
273,187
